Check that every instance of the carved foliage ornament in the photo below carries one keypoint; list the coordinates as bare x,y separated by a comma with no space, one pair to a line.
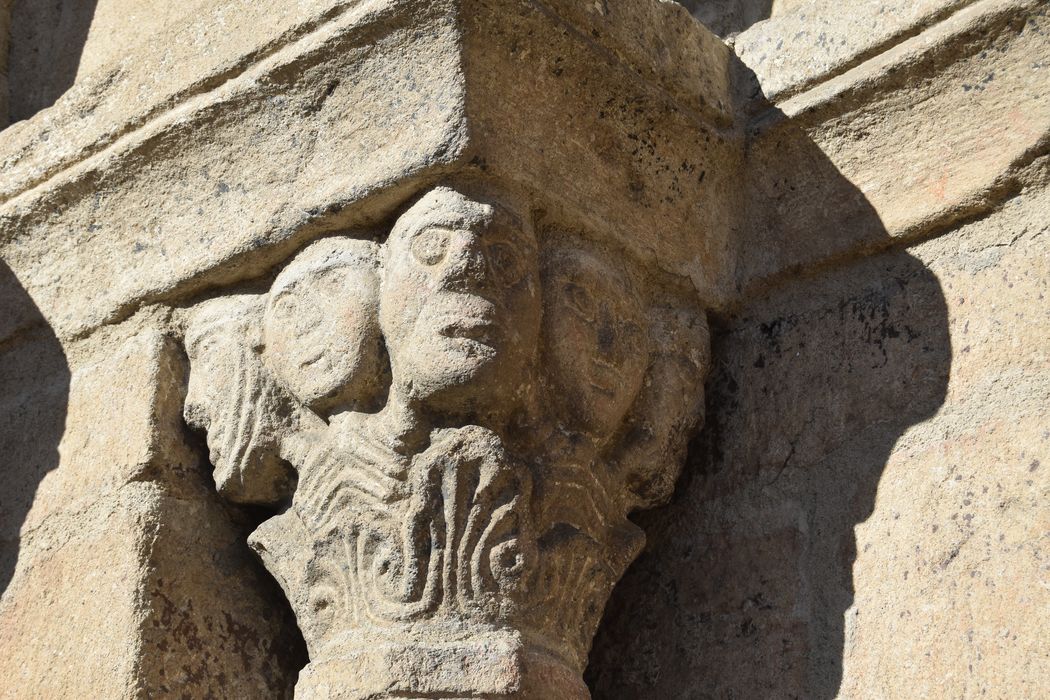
467,418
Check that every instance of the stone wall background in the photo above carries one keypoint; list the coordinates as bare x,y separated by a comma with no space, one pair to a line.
865,513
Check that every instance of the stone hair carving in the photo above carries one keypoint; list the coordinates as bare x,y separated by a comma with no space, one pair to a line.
461,540
231,397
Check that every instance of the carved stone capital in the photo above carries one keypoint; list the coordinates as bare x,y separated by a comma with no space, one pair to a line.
471,413
455,402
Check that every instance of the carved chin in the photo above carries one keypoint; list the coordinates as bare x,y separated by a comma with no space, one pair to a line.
455,365
218,449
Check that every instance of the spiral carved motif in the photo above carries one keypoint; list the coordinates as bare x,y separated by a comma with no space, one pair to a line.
457,440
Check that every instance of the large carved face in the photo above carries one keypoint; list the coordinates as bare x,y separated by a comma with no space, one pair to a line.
595,349
460,301
321,327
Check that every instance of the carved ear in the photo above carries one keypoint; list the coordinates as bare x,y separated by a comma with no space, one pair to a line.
670,406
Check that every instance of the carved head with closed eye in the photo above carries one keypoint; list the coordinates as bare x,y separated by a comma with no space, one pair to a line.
596,350
321,326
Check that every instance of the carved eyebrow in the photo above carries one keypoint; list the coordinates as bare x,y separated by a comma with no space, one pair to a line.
438,227
439,219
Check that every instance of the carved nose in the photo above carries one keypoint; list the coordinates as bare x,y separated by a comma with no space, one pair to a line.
608,348
467,266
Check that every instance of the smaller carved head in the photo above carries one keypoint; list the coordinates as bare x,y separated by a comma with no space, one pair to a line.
460,303
669,407
595,348
321,328
231,397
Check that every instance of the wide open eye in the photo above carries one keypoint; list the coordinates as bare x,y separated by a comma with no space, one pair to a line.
507,265
430,245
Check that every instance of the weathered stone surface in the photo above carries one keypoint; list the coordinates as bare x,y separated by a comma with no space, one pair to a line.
339,126
439,272
938,128
463,538
212,622
808,41
141,594
69,613
121,95
5,41
729,17
122,576
190,213
35,378
351,117
138,432
867,509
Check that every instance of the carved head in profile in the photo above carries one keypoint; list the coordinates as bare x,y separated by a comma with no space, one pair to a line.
460,304
595,348
234,401
321,325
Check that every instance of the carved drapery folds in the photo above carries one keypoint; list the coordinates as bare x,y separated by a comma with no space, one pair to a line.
458,418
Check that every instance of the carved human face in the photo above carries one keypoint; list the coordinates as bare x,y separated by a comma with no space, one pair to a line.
460,301
321,328
232,398
596,350
226,386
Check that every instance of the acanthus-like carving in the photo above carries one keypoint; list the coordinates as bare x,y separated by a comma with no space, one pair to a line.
471,413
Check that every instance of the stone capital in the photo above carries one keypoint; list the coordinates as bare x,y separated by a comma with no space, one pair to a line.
441,272
491,355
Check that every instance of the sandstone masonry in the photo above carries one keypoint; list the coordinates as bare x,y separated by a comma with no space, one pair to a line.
359,348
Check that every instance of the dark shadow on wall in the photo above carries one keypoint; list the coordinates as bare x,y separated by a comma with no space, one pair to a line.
725,17
47,40
34,394
744,587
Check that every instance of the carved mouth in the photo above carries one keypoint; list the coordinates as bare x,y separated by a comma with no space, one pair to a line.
311,360
477,330
605,378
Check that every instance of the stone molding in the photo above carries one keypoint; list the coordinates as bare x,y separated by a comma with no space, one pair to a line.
417,324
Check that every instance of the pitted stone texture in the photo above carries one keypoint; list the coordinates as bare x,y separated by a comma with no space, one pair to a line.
868,506
939,128
139,381
53,44
121,94
727,18
173,217
69,615
122,574
811,40
461,540
344,116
